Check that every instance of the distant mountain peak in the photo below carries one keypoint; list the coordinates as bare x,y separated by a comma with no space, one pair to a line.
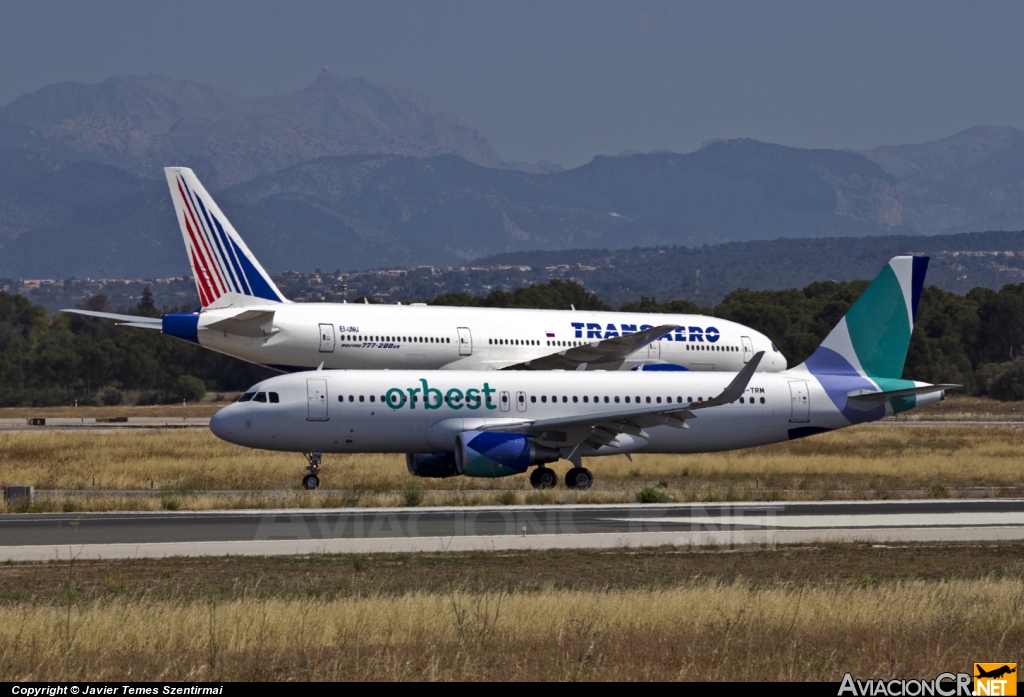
144,121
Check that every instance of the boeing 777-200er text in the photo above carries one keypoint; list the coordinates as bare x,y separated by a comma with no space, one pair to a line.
494,425
245,315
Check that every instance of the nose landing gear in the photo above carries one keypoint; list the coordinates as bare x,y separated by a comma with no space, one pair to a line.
312,480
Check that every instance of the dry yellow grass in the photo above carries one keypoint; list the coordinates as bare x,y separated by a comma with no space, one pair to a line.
964,453
697,631
207,407
191,465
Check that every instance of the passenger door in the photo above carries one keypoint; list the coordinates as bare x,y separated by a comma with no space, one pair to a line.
316,396
654,349
465,342
801,402
748,349
326,338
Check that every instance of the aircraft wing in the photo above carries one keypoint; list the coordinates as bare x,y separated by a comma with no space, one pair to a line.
129,320
864,399
597,352
600,428
254,323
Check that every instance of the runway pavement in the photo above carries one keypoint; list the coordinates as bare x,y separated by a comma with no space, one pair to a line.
213,533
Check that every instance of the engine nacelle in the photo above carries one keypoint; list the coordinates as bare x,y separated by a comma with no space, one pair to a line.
434,465
485,454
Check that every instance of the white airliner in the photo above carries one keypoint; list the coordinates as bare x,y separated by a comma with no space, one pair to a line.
498,424
245,315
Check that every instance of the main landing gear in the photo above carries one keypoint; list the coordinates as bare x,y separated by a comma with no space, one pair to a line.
312,480
546,478
579,478
543,478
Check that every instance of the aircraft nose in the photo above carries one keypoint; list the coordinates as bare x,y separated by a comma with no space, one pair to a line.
226,424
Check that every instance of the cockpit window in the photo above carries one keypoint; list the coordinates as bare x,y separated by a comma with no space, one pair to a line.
247,396
773,348
260,397
274,398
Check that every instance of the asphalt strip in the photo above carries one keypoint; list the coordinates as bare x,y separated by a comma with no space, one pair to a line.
768,539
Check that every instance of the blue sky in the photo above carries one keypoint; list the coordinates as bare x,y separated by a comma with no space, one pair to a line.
565,81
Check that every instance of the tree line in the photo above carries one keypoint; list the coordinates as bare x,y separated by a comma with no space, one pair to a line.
974,340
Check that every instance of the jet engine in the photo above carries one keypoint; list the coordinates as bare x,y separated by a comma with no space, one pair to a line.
485,454
434,465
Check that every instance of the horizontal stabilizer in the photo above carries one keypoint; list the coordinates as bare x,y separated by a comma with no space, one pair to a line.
251,323
139,325
866,399
131,320
614,350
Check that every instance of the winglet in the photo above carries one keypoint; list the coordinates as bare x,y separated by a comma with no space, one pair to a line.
737,387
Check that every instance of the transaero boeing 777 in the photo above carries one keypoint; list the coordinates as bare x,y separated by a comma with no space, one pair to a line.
245,315
499,424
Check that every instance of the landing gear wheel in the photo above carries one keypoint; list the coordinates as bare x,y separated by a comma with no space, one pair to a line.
543,478
312,480
579,478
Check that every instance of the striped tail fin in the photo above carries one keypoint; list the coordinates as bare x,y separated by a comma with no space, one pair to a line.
225,271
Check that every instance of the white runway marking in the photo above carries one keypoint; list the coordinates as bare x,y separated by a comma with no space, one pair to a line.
831,522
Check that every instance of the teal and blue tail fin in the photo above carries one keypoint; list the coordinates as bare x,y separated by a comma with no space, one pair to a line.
867,349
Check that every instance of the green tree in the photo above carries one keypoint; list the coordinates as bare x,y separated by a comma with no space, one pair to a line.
553,295
190,389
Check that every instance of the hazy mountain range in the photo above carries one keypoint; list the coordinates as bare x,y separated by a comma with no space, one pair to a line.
348,174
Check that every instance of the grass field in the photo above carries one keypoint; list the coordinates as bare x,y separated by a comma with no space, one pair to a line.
188,468
800,613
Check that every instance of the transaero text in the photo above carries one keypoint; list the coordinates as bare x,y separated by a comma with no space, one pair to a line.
594,330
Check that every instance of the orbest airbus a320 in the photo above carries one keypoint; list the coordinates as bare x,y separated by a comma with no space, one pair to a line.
497,424
245,315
